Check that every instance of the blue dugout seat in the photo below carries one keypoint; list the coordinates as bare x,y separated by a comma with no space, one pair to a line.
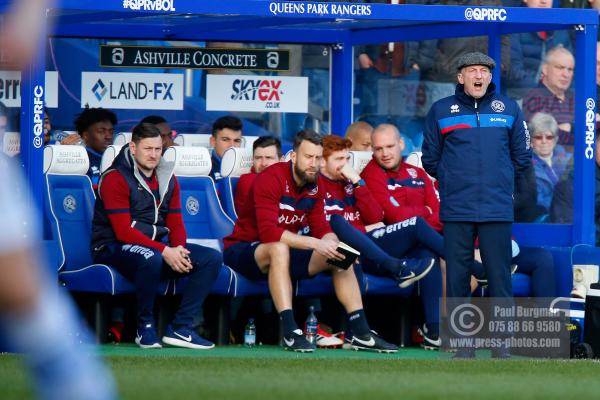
235,162
205,221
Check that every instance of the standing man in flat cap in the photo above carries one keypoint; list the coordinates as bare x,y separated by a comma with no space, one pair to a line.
476,142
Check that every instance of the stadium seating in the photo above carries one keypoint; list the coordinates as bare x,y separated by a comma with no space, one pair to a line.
360,159
248,141
193,140
122,138
235,162
109,156
69,203
11,143
205,221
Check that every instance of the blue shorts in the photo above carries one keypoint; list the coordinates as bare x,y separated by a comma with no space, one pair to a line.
240,257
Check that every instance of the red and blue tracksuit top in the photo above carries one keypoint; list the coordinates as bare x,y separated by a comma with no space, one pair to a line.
276,204
356,205
475,147
137,210
403,193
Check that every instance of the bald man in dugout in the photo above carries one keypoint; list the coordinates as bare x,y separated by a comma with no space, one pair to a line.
360,135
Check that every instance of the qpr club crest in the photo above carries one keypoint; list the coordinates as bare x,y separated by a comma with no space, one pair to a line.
498,106
69,204
192,205
412,172
349,189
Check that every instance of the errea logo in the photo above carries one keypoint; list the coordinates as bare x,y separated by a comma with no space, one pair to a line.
454,108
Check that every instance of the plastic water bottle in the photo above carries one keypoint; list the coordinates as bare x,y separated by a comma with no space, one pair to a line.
250,334
310,328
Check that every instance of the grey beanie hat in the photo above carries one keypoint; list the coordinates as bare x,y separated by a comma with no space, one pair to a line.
475,58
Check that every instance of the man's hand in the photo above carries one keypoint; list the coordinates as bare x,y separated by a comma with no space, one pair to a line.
350,173
327,248
72,139
565,126
178,259
374,226
364,61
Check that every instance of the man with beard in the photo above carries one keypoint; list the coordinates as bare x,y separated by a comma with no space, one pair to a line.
271,239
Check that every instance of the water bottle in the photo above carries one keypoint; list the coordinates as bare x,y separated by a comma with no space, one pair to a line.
250,334
310,328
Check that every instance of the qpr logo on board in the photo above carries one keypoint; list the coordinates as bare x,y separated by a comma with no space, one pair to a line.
498,106
69,204
590,127
485,14
192,205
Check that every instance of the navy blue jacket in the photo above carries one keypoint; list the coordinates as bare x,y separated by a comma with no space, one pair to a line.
147,217
475,148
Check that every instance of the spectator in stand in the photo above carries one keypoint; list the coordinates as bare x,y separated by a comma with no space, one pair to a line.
561,210
349,200
527,52
266,151
525,198
360,135
553,95
394,60
402,190
226,133
549,159
95,129
440,75
270,241
166,133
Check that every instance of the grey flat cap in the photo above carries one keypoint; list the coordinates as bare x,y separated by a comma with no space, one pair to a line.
475,58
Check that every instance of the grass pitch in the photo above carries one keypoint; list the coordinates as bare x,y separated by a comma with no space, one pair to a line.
268,372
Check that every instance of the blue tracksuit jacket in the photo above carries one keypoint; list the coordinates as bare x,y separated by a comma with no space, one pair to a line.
475,148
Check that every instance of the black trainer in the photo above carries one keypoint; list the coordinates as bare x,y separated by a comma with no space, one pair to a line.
413,270
296,341
431,340
372,342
